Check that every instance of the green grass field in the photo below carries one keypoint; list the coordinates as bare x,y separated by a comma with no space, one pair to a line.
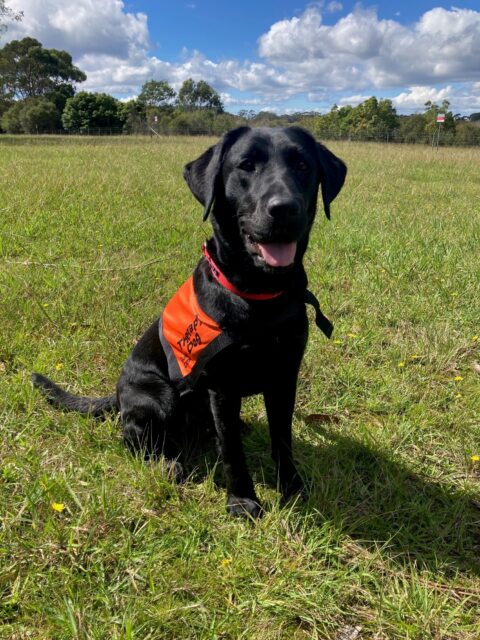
96,234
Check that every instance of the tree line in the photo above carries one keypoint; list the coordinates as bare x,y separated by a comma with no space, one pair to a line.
38,94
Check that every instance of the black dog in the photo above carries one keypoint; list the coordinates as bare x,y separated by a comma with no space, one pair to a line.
239,325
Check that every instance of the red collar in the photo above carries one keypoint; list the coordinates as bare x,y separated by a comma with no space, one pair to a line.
220,277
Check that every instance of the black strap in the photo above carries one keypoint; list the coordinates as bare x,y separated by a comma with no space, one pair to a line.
322,322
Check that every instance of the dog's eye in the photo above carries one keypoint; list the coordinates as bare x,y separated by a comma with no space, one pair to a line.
247,165
302,165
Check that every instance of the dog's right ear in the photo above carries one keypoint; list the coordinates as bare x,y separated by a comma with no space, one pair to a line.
202,175
333,173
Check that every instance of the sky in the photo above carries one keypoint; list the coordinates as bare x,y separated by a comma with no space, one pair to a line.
277,55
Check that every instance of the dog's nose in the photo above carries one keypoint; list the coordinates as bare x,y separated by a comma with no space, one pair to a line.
282,208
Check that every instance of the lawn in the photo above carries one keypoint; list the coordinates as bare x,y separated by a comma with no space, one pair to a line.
95,235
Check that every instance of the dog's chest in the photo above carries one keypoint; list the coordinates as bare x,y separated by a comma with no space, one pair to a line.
249,365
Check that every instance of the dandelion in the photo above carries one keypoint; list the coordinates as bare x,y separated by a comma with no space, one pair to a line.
225,562
458,396
352,335
475,458
58,506
458,378
401,364
337,342
475,338
45,305
414,357
59,366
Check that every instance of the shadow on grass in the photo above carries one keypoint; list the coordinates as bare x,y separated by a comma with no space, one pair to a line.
366,494
380,501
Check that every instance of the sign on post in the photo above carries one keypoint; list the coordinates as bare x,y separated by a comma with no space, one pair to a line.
436,136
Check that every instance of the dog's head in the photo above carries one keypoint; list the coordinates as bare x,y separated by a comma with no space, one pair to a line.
261,186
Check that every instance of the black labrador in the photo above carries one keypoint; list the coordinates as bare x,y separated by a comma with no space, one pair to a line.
248,327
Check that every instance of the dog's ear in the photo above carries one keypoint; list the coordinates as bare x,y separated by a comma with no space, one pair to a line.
332,176
202,174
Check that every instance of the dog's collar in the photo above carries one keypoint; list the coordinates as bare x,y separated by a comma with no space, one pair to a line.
222,279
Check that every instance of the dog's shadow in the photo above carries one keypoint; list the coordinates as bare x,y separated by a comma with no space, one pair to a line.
377,500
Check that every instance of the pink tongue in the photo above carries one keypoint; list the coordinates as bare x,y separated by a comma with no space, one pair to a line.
278,254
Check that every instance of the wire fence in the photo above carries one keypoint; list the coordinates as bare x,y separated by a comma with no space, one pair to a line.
463,136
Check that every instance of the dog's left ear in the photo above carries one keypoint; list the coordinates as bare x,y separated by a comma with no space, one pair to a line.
332,176
202,175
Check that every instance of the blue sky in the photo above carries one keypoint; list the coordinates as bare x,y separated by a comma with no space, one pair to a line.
284,56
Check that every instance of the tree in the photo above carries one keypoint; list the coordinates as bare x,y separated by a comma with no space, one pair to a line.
60,96
28,70
33,115
247,114
198,95
38,116
412,128
369,119
467,133
132,114
432,110
156,93
89,110
10,120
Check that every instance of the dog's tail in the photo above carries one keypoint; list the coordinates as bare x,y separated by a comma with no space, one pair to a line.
96,407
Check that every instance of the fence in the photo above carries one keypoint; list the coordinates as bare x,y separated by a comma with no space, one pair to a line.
461,137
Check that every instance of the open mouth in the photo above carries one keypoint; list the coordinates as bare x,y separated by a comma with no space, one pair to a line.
274,254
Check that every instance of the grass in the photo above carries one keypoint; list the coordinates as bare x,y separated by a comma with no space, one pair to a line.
96,234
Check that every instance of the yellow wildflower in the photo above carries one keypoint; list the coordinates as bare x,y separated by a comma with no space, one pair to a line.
414,357
58,506
59,366
475,338
225,562
475,458
337,342
352,335
458,378
401,364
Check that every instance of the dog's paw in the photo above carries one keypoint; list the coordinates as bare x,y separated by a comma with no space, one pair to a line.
244,507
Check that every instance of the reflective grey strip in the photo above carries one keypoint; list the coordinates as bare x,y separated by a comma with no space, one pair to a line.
174,372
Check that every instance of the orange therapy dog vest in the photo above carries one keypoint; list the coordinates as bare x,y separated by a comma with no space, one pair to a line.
189,336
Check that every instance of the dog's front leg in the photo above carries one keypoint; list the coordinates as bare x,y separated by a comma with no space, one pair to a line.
280,402
241,497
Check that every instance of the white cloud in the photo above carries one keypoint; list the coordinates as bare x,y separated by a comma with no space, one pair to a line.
358,55
353,100
83,26
361,50
462,98
333,7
